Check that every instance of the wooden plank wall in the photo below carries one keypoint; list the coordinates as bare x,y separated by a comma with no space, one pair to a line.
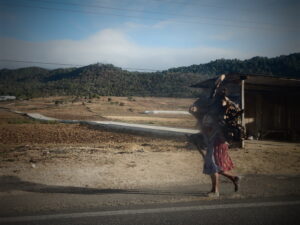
272,115
271,112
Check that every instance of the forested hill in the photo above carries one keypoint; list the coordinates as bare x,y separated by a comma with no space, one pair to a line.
103,79
282,66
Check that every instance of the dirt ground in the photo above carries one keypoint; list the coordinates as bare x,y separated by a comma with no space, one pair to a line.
125,109
78,155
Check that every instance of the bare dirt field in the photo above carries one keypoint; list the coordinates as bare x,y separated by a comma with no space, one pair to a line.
78,155
125,109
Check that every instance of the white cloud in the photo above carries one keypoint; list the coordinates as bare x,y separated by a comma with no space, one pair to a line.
163,24
109,46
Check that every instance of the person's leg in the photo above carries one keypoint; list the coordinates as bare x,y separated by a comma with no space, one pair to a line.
228,175
215,182
233,178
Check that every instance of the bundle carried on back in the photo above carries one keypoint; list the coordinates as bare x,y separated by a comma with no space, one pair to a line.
219,106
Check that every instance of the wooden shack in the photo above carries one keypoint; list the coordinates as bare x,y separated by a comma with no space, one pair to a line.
271,104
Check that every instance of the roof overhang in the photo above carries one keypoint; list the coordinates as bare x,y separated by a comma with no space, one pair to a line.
253,80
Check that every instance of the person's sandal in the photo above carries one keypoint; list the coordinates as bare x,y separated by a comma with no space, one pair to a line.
213,195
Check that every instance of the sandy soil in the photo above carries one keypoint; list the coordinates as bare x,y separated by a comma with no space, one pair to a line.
76,155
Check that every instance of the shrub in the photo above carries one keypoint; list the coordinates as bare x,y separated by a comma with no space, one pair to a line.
130,98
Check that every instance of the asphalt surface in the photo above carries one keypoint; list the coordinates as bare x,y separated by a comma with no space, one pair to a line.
261,200
254,211
125,127
19,198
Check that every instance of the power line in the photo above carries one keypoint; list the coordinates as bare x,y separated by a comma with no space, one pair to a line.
149,18
166,2
67,64
203,5
39,62
200,4
154,12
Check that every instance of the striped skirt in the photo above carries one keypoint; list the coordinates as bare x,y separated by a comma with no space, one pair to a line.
221,156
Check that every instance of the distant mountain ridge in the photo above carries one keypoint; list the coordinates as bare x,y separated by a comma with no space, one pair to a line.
108,80
281,65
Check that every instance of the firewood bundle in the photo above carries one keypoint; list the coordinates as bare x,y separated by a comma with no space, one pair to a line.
226,113
229,119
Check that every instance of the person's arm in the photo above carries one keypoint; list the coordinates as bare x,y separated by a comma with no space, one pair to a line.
201,152
197,139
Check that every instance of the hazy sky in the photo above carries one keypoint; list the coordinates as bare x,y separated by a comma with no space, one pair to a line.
145,34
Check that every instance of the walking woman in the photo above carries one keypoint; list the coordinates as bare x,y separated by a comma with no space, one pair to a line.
216,159
218,120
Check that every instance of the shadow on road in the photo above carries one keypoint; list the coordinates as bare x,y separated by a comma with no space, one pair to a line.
13,183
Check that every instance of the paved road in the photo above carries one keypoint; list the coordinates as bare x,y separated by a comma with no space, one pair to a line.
255,211
18,197
173,205
127,127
